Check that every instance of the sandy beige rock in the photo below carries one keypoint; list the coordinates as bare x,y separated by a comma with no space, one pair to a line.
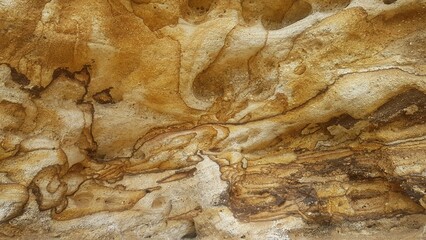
13,198
265,119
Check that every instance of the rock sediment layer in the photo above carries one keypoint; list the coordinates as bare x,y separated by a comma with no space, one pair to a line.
212,119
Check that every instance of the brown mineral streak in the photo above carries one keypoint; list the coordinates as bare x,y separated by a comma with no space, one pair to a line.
178,176
309,111
188,215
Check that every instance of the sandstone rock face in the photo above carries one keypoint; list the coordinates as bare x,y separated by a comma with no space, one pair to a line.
213,119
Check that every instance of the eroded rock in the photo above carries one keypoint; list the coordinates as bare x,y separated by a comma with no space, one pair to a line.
260,119
13,198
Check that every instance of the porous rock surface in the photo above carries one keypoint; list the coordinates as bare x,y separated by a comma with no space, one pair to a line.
213,119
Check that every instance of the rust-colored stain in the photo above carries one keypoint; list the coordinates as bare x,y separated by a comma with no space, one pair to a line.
308,109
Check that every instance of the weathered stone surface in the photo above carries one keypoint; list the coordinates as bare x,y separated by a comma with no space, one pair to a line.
213,119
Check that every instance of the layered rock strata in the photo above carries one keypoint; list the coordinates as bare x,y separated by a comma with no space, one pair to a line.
213,119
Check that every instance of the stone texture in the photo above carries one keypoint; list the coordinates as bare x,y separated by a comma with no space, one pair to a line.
213,119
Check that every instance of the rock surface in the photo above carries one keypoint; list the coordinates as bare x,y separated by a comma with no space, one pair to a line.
213,119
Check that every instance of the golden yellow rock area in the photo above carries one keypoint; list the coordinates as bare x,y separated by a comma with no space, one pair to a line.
213,119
